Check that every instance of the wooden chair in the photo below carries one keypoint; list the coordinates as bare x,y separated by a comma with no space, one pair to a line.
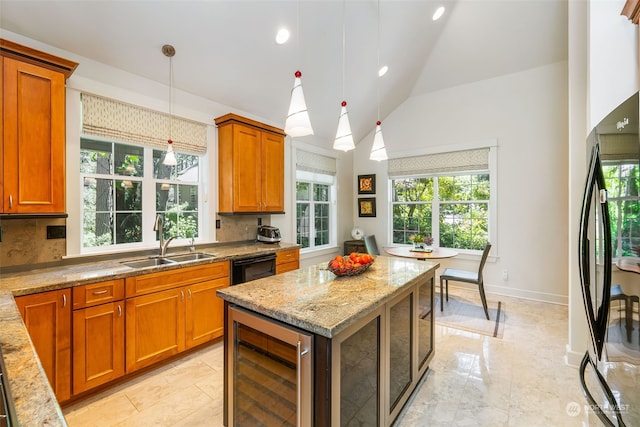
474,277
371,245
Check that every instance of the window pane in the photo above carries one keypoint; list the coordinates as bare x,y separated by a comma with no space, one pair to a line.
321,224
464,225
129,227
95,157
97,229
302,191
97,206
186,169
302,222
320,193
409,219
128,160
128,195
412,189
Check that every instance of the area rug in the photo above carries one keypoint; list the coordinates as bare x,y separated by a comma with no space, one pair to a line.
466,313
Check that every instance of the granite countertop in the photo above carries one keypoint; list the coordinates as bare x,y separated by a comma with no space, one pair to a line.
35,401
316,300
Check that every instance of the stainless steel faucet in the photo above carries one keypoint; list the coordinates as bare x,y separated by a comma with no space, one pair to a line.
158,226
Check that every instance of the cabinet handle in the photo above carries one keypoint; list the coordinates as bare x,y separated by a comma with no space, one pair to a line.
189,290
102,292
119,311
10,201
64,300
298,382
182,295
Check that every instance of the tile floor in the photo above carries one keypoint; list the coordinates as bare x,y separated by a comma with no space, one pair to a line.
473,380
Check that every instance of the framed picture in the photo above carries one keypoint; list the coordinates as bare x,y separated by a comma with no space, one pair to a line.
367,207
367,184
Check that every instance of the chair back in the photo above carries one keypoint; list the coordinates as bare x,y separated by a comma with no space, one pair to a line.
371,245
483,260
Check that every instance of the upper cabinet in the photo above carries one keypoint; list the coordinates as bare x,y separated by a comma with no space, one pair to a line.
32,117
250,166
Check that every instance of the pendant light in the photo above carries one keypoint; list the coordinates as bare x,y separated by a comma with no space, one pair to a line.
378,151
298,122
344,138
170,157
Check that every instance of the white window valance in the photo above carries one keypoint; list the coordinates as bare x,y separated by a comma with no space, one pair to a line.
618,147
455,161
313,162
113,119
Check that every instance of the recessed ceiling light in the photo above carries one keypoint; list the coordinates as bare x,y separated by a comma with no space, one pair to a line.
383,70
438,14
282,36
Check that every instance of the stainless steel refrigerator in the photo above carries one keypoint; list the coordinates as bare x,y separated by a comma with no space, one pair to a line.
610,232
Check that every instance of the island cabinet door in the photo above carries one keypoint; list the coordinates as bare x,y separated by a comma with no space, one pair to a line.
155,328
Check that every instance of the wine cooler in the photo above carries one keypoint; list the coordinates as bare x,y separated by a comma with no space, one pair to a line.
270,375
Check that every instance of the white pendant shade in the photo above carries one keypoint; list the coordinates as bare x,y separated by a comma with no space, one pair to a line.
344,138
170,157
378,151
298,123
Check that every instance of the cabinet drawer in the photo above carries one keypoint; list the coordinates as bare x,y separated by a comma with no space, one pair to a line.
290,255
98,293
154,282
289,266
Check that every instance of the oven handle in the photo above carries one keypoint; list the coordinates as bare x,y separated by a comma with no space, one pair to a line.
254,260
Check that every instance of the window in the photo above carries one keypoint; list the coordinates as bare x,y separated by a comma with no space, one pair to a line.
453,209
314,195
621,180
447,196
115,188
315,200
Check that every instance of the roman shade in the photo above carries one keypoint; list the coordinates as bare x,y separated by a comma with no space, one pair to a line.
454,161
113,119
313,162
618,146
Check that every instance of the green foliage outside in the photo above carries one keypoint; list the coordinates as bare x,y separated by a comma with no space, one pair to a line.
621,180
463,203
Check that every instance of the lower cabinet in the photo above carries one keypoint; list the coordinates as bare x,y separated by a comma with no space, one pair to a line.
287,260
164,323
47,316
98,334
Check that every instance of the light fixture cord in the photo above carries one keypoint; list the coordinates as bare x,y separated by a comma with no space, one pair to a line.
298,33
171,97
344,13
378,70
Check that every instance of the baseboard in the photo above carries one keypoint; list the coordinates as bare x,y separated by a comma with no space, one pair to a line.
573,358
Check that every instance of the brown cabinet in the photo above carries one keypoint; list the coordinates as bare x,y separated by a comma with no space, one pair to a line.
98,334
33,130
47,316
168,312
287,260
250,166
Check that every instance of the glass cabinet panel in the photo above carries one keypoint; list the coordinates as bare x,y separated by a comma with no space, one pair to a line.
400,368
425,322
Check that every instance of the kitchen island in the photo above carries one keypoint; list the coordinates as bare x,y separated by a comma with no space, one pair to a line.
310,348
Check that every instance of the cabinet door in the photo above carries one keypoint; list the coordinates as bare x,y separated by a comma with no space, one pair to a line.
47,317
98,345
272,173
204,312
154,328
246,166
34,138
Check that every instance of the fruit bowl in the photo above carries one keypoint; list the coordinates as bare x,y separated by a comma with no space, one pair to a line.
353,265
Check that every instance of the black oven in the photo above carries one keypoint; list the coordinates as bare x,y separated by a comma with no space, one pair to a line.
252,268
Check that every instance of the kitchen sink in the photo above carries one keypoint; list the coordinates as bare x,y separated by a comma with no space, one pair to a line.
173,259
195,256
148,262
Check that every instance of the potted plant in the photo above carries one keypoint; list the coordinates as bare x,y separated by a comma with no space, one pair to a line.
420,240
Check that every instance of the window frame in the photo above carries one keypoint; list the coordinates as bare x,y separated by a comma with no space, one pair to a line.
322,179
148,182
492,171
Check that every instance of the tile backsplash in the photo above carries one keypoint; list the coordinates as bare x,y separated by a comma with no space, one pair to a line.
24,241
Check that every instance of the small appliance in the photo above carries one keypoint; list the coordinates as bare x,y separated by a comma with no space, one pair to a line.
268,234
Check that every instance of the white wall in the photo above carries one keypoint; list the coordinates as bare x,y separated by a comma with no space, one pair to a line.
526,113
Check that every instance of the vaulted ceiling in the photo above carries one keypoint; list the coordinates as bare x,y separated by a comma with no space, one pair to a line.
225,49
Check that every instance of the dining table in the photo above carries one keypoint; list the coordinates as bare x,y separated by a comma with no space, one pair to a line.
409,252
628,263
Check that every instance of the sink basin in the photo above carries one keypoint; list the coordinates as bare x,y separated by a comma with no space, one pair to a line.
190,257
148,262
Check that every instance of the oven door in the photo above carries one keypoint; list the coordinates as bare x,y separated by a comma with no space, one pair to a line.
247,269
